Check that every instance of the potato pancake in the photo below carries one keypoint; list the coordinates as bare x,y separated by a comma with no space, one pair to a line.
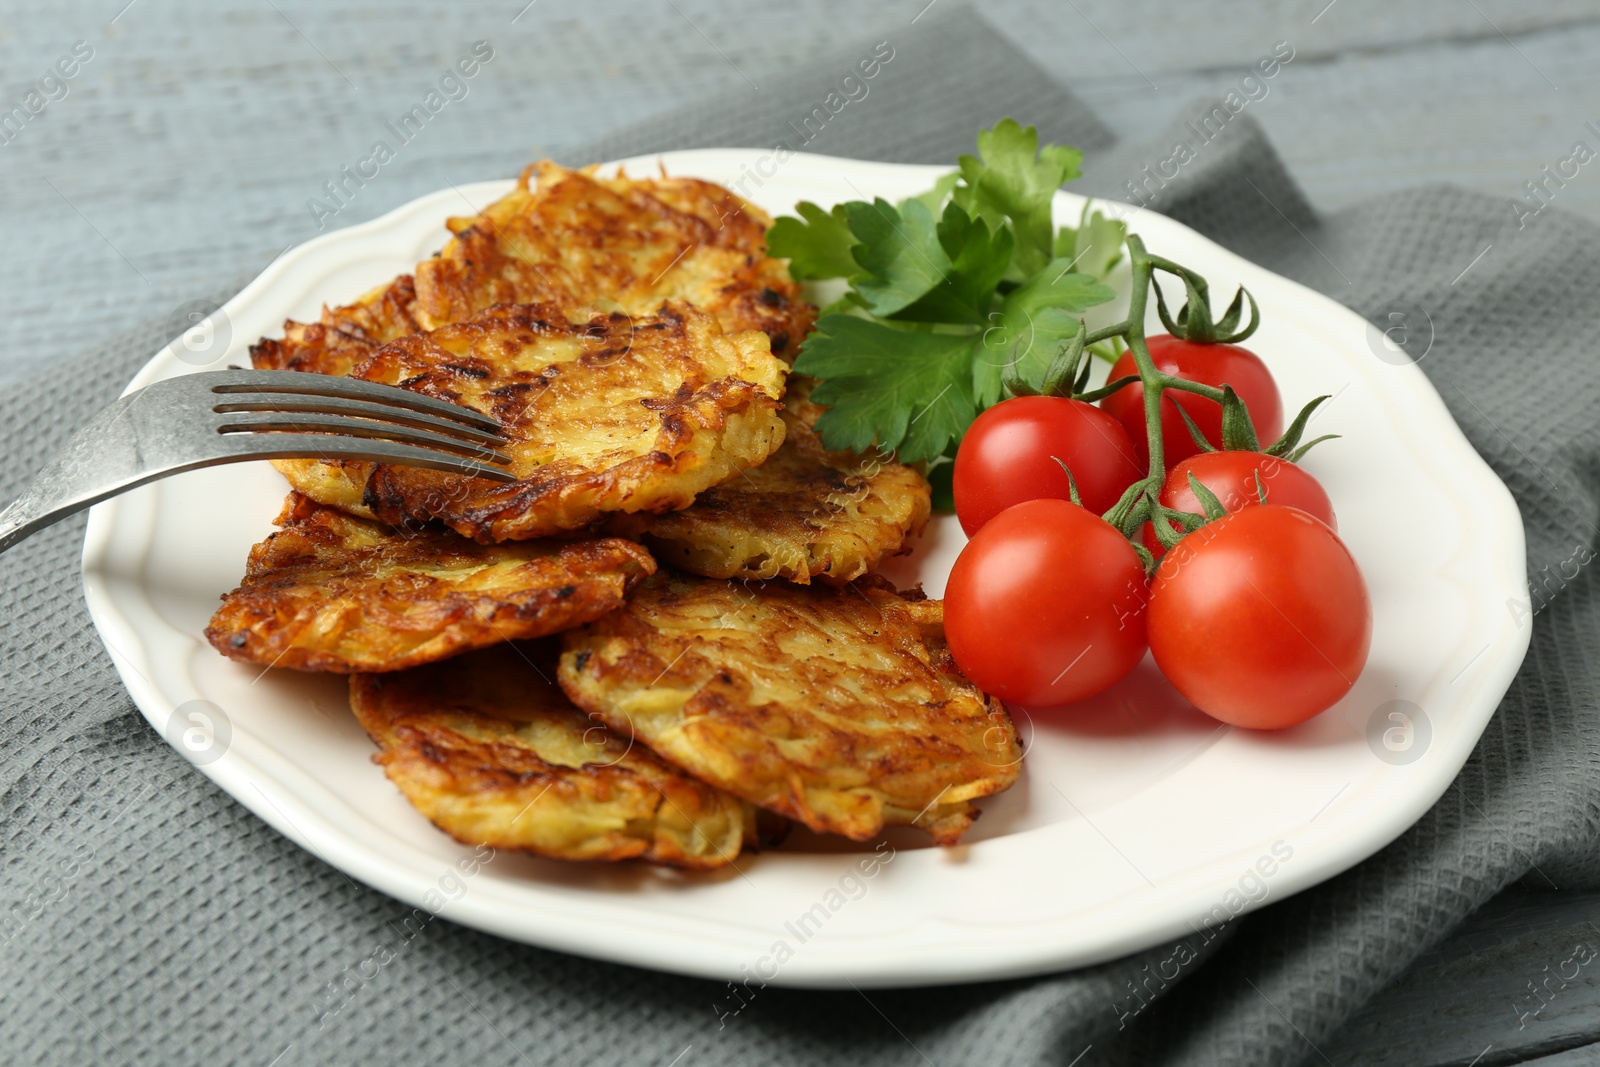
566,236
345,335
839,707
805,513
569,237
488,748
330,592
614,414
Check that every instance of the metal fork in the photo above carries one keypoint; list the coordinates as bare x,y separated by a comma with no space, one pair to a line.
201,420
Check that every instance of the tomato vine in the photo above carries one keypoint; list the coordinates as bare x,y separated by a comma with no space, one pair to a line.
1069,372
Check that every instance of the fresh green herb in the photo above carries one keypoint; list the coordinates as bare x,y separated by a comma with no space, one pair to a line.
941,480
886,385
947,290
1033,322
1015,181
919,270
817,244
1095,246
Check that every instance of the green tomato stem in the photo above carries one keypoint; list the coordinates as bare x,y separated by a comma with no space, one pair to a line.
1153,380
1142,501
1210,392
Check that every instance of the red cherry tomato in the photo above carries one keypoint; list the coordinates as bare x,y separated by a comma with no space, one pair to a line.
1261,619
1009,455
1231,476
1045,605
1209,364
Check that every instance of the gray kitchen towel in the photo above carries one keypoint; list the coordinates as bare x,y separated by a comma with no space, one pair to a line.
146,918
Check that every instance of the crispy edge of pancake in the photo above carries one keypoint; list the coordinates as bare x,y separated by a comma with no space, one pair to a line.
710,250
488,749
339,484
804,513
338,343
331,592
344,336
839,707
762,296
612,414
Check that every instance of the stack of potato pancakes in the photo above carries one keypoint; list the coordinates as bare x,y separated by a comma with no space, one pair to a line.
663,639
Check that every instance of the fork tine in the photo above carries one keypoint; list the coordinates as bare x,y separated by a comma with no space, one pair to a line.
183,426
315,403
273,422
331,446
290,381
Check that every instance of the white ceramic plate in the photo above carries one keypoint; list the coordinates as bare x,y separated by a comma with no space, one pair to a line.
1136,818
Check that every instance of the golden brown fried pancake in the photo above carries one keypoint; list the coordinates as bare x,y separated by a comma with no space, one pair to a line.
805,513
330,592
569,237
345,336
566,236
839,707
614,414
489,749
562,236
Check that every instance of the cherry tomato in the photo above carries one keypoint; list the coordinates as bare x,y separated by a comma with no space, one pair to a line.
1261,618
1210,364
1009,455
1231,476
1046,604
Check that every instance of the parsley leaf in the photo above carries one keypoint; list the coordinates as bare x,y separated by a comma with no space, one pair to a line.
941,479
921,271
897,389
978,259
939,195
818,247
1095,246
900,253
1015,180
1034,320
946,289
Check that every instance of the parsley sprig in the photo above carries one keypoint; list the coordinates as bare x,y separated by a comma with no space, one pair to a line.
947,291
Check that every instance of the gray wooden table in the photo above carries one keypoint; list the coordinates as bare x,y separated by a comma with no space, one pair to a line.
185,145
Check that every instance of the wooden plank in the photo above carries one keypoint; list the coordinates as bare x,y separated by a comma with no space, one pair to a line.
187,149
1119,37
1477,114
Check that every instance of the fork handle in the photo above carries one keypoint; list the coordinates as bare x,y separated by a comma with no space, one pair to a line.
17,522
101,460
